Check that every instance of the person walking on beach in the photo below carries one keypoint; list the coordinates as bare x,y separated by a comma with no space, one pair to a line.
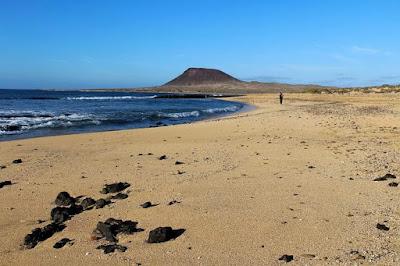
281,97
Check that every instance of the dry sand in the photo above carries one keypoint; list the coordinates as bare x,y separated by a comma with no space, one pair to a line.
249,192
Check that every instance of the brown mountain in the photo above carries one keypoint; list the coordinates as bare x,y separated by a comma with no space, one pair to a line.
202,76
204,81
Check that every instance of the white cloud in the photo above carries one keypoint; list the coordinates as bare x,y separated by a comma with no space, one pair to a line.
343,58
365,50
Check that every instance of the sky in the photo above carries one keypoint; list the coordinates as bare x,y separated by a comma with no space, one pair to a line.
78,44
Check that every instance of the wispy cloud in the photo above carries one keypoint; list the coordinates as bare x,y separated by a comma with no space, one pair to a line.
369,51
343,58
365,50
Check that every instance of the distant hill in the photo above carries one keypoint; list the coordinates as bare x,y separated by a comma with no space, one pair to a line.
201,76
214,81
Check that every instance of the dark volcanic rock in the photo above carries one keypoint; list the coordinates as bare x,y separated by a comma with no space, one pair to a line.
385,177
286,258
163,234
178,163
120,196
88,203
64,199
101,203
110,248
162,157
11,128
115,187
62,243
17,161
41,234
146,205
75,209
382,227
172,202
104,230
5,183
112,227
393,184
3,167
62,214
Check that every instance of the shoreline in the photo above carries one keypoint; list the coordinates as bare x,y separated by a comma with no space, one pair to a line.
245,106
292,179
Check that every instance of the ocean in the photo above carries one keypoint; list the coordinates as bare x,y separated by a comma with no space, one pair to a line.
35,113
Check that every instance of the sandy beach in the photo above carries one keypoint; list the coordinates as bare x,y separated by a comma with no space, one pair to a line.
293,179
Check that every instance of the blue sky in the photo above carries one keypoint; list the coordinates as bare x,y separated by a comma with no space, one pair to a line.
93,44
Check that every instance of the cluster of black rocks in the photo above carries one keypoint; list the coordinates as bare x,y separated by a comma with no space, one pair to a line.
387,177
110,229
41,234
68,206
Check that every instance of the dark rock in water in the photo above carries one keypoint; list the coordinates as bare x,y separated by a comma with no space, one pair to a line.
64,199
163,157
115,187
60,214
88,203
163,234
178,163
382,227
62,243
17,161
112,227
5,183
101,203
146,205
41,234
385,177
110,248
393,184
286,258
120,196
11,128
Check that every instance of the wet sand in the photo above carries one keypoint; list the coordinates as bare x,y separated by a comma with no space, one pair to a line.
292,179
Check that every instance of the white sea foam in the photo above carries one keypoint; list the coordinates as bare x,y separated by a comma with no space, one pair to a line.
24,121
182,114
232,108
